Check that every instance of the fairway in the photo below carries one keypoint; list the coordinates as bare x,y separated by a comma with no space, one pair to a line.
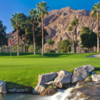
25,69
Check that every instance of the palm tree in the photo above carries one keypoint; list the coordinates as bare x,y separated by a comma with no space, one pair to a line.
16,20
72,44
74,24
96,9
42,10
33,14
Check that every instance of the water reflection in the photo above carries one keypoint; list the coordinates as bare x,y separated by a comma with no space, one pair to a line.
22,97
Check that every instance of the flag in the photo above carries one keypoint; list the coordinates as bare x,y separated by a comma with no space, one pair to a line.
11,42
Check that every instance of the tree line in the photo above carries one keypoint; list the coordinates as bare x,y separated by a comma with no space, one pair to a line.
27,29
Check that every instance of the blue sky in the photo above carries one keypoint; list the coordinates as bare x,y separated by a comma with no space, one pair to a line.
9,7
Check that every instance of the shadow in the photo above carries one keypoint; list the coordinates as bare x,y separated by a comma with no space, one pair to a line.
10,85
38,55
97,68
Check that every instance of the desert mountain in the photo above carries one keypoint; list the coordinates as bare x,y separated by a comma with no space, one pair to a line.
58,21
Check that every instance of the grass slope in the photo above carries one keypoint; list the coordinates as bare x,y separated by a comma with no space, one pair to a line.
25,69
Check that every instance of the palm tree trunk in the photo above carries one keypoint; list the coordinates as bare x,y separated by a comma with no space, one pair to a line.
17,39
42,37
97,31
73,44
33,37
75,38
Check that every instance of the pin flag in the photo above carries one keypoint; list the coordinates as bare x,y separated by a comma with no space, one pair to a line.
11,42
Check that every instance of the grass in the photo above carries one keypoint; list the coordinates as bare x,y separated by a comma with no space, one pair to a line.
25,69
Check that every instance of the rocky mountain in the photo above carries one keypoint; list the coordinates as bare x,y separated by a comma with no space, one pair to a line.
58,21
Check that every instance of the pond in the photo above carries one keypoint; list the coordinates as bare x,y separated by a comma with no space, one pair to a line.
23,97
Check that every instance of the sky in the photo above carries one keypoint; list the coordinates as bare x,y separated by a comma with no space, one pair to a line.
9,7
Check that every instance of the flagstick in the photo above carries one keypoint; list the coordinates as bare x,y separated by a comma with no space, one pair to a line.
10,51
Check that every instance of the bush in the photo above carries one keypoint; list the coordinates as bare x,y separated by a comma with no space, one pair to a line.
31,48
52,51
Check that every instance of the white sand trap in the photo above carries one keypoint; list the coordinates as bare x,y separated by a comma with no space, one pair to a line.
97,55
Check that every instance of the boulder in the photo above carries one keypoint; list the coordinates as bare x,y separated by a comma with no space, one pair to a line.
3,87
49,91
63,77
39,89
42,79
89,68
95,77
79,74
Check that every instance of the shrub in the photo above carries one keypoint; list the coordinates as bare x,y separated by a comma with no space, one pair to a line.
52,51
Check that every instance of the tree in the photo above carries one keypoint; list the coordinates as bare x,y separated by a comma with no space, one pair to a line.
88,38
33,14
42,10
16,21
96,9
73,27
65,46
3,37
50,42
70,29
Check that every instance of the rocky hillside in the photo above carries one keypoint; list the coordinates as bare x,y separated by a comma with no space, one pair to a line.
58,21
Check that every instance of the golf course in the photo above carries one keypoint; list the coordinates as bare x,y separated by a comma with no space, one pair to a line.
24,69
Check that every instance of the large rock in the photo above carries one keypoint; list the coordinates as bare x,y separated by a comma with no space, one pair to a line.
89,68
3,87
79,74
42,79
95,77
63,77
39,89
85,91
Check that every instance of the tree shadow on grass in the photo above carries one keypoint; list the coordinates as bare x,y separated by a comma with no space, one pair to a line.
97,69
10,85
38,55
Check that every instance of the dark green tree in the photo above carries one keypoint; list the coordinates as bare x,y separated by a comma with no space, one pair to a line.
88,38
3,37
65,46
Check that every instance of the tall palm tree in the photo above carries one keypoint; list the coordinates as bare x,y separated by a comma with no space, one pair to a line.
74,24
42,10
73,27
33,14
16,20
72,43
96,9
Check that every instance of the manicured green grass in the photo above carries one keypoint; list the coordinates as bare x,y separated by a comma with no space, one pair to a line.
25,69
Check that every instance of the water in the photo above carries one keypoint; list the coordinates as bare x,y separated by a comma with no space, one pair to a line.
17,96
23,97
